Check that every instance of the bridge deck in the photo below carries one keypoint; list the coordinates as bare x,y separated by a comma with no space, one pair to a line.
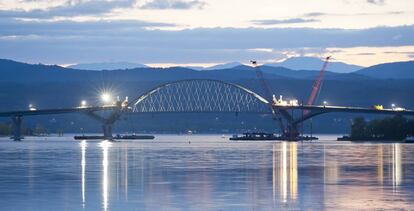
326,109
55,111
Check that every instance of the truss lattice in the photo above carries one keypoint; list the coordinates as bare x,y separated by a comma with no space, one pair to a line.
201,95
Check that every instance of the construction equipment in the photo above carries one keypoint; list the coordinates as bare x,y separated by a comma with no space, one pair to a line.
318,83
378,107
268,95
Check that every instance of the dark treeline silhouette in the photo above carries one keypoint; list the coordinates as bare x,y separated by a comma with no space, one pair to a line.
391,128
6,129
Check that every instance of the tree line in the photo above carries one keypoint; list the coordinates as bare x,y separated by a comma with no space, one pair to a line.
6,129
390,128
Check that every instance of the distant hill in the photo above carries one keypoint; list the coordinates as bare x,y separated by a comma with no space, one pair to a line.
7,65
22,72
396,70
107,66
224,66
311,63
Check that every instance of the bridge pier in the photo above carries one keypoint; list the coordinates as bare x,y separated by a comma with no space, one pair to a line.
17,128
107,131
107,122
292,132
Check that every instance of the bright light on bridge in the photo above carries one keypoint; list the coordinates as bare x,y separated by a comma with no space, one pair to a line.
83,103
32,108
394,107
106,97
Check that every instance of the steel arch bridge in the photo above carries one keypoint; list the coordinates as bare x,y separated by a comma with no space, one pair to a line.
200,95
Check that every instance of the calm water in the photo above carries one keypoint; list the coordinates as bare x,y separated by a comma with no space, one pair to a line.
204,173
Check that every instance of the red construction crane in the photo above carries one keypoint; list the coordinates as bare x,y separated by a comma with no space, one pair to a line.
318,82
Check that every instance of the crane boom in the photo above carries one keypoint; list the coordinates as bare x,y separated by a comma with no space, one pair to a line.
317,84
268,95
265,85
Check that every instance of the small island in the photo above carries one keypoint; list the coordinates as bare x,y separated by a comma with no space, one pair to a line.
390,129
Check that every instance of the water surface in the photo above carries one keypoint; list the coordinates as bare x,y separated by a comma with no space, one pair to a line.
204,173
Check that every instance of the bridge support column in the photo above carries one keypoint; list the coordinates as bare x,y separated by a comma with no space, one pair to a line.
107,131
107,122
17,128
292,133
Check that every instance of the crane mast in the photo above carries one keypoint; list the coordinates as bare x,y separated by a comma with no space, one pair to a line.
317,84
268,94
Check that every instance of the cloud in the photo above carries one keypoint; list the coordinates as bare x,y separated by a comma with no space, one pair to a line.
135,33
398,52
284,21
73,42
364,54
319,14
377,2
65,29
315,14
173,4
69,8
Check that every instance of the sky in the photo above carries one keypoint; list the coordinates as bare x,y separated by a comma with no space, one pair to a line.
205,32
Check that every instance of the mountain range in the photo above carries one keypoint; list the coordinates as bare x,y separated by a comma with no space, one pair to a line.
17,71
294,63
397,70
311,63
107,66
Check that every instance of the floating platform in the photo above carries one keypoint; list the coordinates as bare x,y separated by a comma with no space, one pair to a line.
118,137
268,137
132,137
256,137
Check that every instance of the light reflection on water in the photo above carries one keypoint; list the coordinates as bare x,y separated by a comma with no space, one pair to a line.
105,180
83,145
207,173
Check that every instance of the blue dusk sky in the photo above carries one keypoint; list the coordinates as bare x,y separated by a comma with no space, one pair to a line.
205,32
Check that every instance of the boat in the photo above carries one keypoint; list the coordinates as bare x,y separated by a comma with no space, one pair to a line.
256,137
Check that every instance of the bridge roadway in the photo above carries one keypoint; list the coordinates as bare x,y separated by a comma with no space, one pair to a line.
345,109
315,110
57,111
107,123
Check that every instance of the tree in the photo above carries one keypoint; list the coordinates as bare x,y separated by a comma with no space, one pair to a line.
5,129
40,130
359,129
395,128
376,128
410,127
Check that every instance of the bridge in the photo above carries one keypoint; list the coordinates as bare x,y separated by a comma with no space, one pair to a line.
17,116
199,96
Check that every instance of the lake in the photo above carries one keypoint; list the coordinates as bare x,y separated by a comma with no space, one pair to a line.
204,172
